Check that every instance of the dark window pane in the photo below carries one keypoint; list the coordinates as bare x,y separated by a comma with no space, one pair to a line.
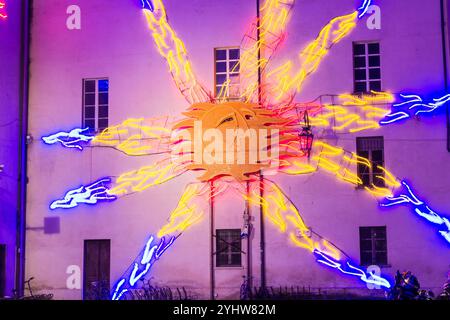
375,85
365,233
221,55
103,85
375,73
377,156
374,61
102,124
380,245
234,66
359,49
218,90
89,123
360,87
374,48
381,258
89,112
89,99
103,98
236,259
103,111
89,86
366,245
360,62
360,74
366,258
234,54
220,79
221,67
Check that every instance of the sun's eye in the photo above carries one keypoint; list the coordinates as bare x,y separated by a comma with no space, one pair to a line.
229,119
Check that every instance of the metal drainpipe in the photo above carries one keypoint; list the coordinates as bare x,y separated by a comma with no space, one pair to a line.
250,232
261,177
22,151
211,213
444,56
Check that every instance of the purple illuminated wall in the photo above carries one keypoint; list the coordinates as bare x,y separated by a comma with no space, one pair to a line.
9,133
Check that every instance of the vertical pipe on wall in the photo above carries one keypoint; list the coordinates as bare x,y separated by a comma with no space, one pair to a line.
22,150
211,214
444,56
261,185
249,231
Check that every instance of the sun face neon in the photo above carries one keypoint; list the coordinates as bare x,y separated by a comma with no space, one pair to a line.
364,8
406,196
91,194
348,269
142,265
72,139
414,106
3,14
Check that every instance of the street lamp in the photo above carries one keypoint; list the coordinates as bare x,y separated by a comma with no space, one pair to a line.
306,136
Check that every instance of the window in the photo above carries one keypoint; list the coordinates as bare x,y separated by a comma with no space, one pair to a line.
371,148
96,269
227,72
367,67
228,248
95,104
373,246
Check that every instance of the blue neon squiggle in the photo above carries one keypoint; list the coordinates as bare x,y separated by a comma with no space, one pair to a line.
364,8
90,194
413,106
148,5
72,139
350,270
142,265
419,207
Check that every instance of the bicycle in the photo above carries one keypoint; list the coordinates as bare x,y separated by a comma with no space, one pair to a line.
246,290
44,296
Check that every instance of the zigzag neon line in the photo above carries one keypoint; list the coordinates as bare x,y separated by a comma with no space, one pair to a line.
70,139
332,263
141,267
420,208
90,194
415,105
364,8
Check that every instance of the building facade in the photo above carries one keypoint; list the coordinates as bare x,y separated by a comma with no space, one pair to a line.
94,64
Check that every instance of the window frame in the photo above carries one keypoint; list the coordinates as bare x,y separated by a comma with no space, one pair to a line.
374,251
227,72
96,105
230,252
367,67
371,173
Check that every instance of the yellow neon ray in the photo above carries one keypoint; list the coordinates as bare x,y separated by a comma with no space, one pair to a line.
282,213
136,137
186,214
144,178
172,48
286,79
357,113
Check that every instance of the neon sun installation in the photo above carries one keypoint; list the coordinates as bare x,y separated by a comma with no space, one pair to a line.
268,105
